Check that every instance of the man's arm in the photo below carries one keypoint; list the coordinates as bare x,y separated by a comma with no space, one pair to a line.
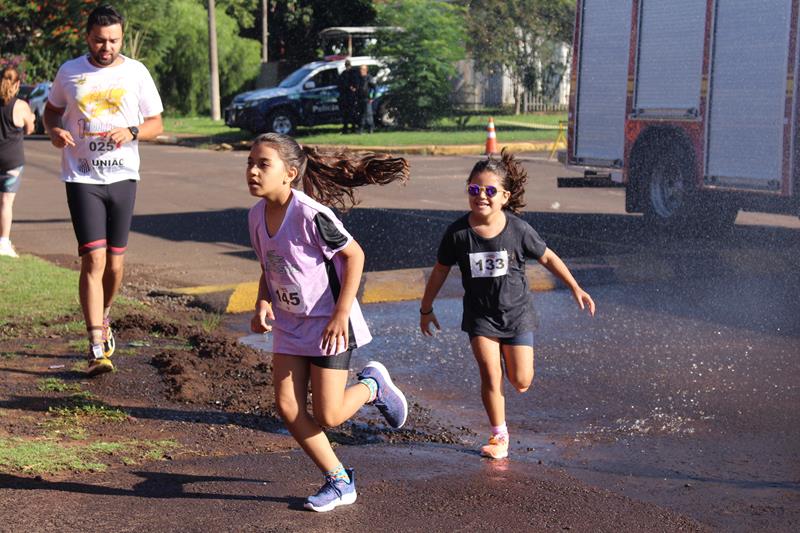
52,124
149,129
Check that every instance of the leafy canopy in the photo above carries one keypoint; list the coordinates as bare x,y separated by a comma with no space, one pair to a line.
421,56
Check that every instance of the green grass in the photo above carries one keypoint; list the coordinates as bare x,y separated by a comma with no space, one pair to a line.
48,456
57,385
33,289
463,129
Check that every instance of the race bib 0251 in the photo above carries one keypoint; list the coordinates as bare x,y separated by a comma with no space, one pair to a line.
488,264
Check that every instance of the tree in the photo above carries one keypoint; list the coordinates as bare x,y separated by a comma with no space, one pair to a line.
170,38
519,36
182,74
421,57
295,24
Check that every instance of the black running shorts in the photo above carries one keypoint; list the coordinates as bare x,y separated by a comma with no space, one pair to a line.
101,215
338,362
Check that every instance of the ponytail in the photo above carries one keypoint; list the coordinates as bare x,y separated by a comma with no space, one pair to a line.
512,176
8,79
330,178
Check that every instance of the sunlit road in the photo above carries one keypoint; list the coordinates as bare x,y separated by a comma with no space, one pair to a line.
682,391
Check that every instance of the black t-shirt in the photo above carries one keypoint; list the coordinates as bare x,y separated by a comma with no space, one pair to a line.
497,301
11,152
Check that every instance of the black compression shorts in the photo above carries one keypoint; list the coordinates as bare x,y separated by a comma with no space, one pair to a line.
101,215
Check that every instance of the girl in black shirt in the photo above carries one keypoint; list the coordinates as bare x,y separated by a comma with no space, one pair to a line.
490,245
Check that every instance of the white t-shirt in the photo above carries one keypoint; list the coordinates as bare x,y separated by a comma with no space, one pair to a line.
96,100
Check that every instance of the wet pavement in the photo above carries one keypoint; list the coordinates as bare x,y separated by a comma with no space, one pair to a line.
683,394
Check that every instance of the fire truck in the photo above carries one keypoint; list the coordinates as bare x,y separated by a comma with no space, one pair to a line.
690,105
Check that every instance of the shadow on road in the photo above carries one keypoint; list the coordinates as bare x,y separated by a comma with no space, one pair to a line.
408,238
154,485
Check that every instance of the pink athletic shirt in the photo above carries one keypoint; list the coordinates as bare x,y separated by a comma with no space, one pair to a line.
304,274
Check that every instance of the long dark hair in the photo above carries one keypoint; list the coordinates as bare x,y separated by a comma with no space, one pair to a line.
330,178
512,177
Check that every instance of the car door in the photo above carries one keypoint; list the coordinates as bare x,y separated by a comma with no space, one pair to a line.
320,95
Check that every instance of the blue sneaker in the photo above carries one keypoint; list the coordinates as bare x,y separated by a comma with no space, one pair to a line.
333,494
390,401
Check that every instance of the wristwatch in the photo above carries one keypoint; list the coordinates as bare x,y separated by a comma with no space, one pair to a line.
134,131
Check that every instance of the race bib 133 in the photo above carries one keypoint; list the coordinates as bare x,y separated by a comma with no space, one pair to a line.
489,264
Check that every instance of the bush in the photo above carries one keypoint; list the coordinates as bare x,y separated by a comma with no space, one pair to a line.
421,57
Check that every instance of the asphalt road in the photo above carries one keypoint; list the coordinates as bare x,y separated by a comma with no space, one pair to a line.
683,391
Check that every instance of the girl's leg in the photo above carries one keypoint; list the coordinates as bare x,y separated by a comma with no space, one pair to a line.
332,401
487,354
290,376
519,365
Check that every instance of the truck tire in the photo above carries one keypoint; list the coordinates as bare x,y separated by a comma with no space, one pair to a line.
281,121
670,198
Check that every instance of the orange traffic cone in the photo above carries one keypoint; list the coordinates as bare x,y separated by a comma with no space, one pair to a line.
491,138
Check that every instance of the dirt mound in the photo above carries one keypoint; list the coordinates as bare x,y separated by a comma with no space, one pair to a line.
143,324
214,369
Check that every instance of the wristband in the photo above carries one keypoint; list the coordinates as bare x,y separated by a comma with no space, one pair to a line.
423,313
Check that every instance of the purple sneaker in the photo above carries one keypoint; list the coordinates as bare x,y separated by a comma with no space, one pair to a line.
390,401
333,494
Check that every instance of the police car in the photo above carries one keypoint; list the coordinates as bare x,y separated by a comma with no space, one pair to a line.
307,97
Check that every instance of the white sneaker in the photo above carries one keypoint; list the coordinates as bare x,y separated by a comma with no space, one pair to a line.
7,249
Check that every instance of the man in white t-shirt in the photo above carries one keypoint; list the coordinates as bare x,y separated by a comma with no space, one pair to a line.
99,107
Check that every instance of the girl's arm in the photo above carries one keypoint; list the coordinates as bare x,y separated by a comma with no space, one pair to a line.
556,266
258,323
337,329
435,281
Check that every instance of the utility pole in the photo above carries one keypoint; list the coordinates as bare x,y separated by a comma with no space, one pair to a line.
213,60
264,32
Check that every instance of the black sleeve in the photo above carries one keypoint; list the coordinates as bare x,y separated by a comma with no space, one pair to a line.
533,246
329,232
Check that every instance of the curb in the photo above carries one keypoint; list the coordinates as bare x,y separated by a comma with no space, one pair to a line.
386,286
414,149
408,284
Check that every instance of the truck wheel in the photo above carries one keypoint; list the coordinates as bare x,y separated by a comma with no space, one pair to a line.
281,121
671,200
667,189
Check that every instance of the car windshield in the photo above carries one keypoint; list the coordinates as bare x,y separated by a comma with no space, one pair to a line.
294,78
38,91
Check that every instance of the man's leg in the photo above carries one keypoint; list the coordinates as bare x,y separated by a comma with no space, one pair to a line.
112,279
90,290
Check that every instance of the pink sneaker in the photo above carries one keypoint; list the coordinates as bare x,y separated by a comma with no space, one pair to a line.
497,447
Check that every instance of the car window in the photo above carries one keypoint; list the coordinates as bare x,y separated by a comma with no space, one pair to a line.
38,91
325,78
294,78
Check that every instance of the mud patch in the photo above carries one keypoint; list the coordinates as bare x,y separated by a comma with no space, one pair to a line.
221,372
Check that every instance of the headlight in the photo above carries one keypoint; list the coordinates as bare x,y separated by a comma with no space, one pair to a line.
251,103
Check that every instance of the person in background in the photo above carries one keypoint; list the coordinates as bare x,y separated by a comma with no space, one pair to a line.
16,121
365,94
348,87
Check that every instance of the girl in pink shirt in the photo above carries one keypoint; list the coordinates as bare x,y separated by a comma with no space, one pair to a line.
310,272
